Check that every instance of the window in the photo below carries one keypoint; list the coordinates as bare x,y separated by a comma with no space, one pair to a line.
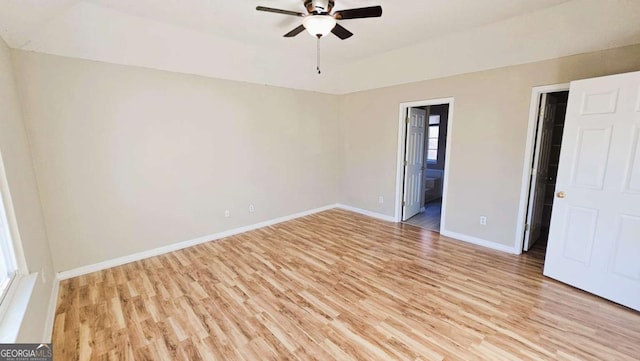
432,140
8,265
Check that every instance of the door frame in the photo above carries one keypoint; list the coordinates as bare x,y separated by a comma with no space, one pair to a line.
402,138
529,153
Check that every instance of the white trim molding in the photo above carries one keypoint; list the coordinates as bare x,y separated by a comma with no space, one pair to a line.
478,241
181,245
365,212
401,150
17,303
536,92
51,314
212,237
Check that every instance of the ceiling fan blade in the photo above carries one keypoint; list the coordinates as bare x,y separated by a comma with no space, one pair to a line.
294,32
369,12
341,32
280,11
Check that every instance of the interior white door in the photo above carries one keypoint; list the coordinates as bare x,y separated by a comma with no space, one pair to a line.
539,173
414,153
594,239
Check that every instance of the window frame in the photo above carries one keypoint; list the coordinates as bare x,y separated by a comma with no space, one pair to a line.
8,259
9,236
437,149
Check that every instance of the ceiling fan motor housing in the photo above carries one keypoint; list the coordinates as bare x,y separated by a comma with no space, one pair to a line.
319,6
320,19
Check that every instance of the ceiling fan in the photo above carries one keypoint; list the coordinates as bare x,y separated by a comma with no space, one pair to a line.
319,21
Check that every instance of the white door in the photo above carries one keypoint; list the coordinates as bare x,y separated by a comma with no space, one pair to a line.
594,239
539,174
414,153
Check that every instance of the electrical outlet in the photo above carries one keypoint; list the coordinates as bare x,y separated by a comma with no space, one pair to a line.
251,208
227,213
483,220
380,199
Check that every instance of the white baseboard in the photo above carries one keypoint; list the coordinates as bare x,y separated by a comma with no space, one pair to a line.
477,241
212,237
51,315
181,245
366,212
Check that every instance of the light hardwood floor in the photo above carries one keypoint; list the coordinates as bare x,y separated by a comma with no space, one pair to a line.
337,285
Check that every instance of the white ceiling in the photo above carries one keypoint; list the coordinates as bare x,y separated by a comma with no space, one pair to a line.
414,40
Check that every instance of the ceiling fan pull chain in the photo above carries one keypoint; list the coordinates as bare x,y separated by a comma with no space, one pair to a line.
318,60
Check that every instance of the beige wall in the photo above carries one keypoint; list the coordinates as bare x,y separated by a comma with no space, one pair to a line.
24,196
487,140
131,159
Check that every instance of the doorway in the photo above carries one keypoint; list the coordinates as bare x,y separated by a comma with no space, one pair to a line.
423,152
551,114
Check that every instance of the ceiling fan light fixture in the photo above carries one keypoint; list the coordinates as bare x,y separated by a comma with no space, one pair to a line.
319,25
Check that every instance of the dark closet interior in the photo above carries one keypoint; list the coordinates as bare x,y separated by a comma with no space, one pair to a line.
554,157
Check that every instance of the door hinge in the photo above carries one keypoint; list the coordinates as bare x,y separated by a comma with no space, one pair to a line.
406,163
526,227
407,120
404,203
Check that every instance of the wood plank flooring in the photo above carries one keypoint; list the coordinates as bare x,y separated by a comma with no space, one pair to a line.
337,285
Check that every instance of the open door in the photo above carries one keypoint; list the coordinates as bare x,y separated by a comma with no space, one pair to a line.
413,163
594,237
539,176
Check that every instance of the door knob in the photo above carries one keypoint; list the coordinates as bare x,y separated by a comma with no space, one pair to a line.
561,195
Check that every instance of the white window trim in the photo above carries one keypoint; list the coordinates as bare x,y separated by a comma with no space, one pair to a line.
21,262
16,301
14,304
